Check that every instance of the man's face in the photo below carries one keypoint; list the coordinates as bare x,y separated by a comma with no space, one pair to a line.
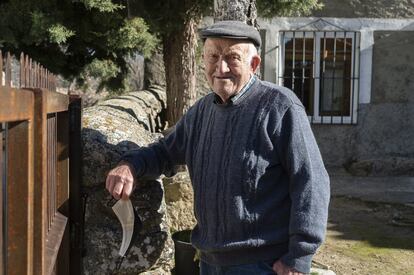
228,66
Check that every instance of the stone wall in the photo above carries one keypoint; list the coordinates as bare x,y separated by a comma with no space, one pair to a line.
109,129
366,8
386,132
179,200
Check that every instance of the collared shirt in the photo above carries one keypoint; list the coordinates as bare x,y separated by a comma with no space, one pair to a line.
242,93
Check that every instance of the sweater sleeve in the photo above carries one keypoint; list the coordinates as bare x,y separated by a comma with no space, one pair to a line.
162,156
309,188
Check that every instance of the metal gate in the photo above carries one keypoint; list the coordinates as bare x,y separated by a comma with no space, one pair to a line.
34,171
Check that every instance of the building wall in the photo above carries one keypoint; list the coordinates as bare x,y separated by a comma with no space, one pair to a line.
388,125
366,8
385,129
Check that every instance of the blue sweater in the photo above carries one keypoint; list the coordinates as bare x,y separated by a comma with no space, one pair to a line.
261,191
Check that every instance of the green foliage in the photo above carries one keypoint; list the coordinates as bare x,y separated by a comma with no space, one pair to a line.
270,8
59,34
40,25
107,72
102,5
72,37
105,69
76,38
134,33
168,16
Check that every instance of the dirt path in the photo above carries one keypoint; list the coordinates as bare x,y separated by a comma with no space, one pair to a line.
368,238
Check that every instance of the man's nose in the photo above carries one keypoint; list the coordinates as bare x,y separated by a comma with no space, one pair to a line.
222,66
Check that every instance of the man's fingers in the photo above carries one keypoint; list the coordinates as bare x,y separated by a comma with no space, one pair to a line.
281,269
110,184
127,190
120,182
117,191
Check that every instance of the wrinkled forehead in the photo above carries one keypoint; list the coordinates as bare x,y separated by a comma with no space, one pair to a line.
223,45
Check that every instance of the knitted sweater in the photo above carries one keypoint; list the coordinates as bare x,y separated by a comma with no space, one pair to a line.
261,191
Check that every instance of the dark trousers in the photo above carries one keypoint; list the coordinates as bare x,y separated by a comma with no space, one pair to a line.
259,268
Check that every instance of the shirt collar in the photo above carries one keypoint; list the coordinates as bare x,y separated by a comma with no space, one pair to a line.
239,95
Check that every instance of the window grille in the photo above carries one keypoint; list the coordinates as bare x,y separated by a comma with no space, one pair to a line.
322,68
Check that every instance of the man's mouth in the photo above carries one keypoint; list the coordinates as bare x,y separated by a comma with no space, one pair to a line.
222,77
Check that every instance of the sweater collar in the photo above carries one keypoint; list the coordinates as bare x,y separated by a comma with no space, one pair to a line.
236,97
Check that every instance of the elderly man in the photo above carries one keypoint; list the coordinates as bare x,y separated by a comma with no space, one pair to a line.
261,191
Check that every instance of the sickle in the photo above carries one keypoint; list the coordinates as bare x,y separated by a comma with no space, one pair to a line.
125,213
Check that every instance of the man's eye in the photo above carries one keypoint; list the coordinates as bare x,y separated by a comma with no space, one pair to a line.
213,57
233,59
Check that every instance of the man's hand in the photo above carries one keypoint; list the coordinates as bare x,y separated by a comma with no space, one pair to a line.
120,181
281,269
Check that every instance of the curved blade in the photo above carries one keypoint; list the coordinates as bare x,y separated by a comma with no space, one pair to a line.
125,213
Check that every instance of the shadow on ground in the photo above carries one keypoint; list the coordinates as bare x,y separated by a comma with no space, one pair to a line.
379,225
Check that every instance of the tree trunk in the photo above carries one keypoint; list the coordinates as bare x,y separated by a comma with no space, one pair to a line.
241,10
179,48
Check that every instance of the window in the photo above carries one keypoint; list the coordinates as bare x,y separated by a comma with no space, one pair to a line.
322,68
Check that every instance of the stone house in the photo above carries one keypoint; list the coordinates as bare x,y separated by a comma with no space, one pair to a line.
352,65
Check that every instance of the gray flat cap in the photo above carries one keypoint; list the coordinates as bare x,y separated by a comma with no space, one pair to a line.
233,30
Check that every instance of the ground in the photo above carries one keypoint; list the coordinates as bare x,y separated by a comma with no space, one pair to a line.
368,238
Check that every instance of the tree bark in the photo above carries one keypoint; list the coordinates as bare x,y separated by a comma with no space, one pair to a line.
240,10
179,48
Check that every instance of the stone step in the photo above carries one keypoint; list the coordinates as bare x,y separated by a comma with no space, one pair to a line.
320,271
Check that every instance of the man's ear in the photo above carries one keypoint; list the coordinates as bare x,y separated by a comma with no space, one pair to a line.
255,63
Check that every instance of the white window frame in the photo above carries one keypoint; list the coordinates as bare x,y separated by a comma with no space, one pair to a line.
355,71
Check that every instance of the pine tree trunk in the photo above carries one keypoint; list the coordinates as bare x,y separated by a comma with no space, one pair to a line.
241,10
179,49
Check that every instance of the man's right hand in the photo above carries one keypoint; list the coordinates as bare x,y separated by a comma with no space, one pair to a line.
120,181
281,269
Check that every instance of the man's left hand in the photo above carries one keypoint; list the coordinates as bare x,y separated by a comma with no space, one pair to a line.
120,181
281,269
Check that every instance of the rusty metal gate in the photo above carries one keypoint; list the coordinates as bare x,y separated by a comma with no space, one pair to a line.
35,173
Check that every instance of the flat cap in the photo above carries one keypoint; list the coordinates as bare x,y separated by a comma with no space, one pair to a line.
233,30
